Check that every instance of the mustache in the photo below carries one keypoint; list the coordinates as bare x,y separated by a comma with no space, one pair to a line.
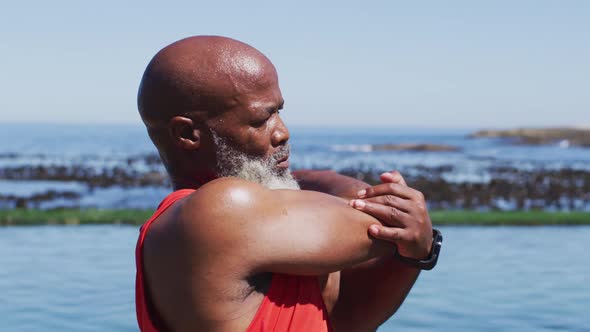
282,152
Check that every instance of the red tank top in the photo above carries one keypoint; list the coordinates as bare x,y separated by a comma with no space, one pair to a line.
292,303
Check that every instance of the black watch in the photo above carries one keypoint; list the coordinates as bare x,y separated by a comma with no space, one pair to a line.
429,262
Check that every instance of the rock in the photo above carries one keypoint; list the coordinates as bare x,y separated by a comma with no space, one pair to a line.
565,137
509,188
415,147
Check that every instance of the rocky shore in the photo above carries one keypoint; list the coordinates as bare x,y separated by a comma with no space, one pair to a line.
422,147
507,188
538,136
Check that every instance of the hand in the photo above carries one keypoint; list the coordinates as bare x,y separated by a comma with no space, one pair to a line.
403,210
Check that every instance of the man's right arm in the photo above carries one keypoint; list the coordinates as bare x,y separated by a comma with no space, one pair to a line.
231,230
282,231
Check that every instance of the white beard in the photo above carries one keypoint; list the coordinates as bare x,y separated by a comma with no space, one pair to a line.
233,162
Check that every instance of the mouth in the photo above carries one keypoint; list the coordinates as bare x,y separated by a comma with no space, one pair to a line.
283,162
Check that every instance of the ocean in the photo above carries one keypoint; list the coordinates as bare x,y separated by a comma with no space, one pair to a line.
81,278
113,166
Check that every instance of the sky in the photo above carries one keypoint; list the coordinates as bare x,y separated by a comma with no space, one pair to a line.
423,64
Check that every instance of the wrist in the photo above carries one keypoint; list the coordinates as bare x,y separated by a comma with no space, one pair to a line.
430,261
422,255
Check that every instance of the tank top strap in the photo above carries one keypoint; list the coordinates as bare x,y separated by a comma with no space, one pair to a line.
144,320
163,206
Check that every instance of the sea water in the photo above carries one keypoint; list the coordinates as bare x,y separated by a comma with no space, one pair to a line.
101,147
81,278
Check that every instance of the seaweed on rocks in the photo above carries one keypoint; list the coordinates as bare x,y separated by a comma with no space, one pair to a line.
508,189
105,177
35,200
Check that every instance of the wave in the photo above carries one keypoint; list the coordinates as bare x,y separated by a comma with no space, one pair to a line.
352,147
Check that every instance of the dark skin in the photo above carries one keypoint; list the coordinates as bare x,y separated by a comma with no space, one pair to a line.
225,239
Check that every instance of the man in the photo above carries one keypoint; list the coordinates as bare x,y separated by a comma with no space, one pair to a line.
237,246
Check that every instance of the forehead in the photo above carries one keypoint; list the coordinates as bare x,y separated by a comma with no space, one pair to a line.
248,72
242,81
262,98
255,85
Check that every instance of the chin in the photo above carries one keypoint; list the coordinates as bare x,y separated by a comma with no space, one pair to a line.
282,171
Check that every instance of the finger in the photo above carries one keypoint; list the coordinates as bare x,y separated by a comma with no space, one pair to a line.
406,205
393,201
389,189
390,234
393,177
386,214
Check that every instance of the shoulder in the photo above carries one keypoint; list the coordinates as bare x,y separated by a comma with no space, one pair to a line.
210,223
227,187
223,198
222,211
207,213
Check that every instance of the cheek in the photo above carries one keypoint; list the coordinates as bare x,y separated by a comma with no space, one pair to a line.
259,142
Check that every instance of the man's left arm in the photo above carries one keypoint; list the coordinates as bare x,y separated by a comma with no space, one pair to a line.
371,292
329,182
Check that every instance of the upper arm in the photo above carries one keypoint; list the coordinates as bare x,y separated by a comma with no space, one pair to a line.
286,231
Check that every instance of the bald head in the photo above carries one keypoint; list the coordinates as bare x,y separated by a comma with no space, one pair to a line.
199,74
201,94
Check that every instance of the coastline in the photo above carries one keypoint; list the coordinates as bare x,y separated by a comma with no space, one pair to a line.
72,217
506,188
476,175
565,136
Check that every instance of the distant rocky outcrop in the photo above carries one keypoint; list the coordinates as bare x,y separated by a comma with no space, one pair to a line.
538,136
508,188
415,147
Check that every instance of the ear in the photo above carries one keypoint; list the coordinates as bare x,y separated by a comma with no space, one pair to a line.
184,134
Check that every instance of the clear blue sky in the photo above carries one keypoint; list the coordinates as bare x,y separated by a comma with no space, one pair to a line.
381,63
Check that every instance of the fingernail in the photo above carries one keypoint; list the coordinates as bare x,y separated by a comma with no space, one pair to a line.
361,193
359,204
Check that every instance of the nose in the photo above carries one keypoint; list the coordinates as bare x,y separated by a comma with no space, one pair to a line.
280,134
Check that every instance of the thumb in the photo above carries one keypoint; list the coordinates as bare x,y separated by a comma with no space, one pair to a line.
390,234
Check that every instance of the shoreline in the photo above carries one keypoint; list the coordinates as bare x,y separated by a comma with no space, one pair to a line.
24,217
564,136
501,188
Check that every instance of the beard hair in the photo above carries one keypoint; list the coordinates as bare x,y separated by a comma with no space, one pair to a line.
236,163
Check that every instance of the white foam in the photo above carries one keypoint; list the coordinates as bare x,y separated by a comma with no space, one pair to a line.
352,148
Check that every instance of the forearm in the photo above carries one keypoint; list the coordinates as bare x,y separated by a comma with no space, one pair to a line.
371,292
329,182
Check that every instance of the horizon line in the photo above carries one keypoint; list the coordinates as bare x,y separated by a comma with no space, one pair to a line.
314,126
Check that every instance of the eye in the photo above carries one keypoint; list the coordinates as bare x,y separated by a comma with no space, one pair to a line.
260,123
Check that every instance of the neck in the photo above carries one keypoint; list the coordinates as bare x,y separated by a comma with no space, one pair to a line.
191,182
189,172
